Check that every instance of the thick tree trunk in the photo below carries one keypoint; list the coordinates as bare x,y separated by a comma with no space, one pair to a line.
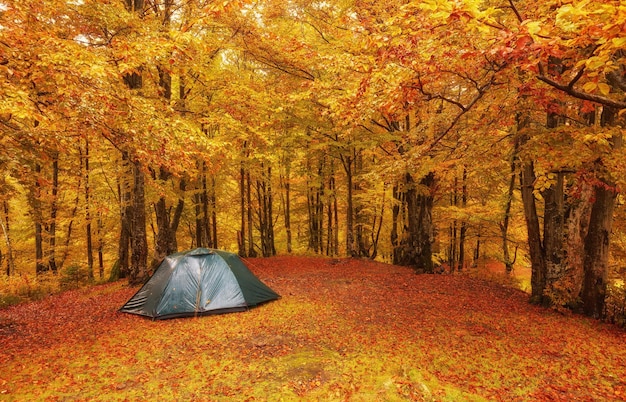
597,251
596,260
554,237
167,224
415,248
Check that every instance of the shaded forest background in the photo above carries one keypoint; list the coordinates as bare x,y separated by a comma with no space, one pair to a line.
431,134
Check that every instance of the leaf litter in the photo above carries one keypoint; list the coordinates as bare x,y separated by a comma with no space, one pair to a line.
344,329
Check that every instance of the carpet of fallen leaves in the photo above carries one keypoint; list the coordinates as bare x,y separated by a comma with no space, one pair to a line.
344,329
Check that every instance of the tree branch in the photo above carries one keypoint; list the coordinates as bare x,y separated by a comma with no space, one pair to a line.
603,100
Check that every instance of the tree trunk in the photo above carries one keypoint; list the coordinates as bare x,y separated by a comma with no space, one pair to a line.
213,225
348,163
286,184
100,246
415,247
463,231
167,224
88,213
597,251
126,213
4,222
535,248
54,209
40,267
241,236
138,237
251,251
597,242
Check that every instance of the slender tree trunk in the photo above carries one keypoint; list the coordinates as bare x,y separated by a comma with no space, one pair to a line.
463,231
536,254
100,246
4,222
398,202
452,255
40,267
126,213
287,203
251,251
504,225
348,164
54,209
213,204
241,236
88,213
378,221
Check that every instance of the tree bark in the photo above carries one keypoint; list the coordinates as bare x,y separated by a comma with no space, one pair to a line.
54,210
251,251
463,231
4,222
241,236
597,251
88,213
138,237
535,248
40,267
126,213
167,224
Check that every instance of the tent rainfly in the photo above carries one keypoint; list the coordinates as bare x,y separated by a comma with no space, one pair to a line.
199,282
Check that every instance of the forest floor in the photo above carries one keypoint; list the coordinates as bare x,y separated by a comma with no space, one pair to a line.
344,329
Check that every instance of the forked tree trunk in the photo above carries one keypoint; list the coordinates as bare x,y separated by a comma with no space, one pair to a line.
415,247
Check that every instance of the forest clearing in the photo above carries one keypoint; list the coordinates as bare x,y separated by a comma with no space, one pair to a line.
344,329
404,144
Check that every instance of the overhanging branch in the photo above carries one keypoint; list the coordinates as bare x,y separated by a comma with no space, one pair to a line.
569,89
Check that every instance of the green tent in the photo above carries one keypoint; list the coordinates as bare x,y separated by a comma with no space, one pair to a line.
198,282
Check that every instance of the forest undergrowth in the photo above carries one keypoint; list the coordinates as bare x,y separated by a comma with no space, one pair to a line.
344,329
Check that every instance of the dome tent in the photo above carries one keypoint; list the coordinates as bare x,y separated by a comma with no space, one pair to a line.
198,282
